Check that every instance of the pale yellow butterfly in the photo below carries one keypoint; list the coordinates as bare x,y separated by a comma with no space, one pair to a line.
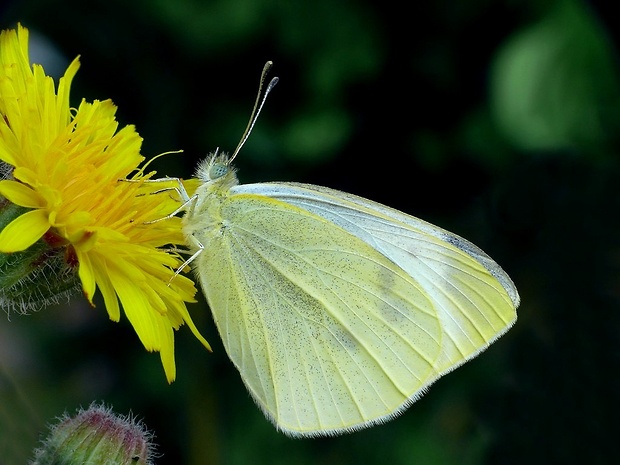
337,311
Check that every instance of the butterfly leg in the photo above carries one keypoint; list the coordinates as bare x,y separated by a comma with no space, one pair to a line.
183,207
179,189
200,247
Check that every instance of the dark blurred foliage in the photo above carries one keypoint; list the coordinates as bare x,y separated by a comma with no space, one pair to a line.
495,119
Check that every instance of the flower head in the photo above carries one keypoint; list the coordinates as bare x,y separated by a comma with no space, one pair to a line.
67,164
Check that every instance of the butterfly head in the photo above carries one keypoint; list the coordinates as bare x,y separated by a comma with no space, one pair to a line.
217,170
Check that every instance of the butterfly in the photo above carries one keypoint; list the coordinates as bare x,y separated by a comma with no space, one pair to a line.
338,312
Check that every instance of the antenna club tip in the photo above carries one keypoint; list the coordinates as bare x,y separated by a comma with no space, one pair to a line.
272,83
258,105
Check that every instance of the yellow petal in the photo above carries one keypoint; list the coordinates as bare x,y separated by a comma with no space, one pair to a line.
167,353
23,231
107,290
20,194
87,275
139,313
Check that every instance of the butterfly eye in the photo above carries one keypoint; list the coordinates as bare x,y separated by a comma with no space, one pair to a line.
217,170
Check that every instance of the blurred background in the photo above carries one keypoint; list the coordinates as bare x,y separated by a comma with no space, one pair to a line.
495,119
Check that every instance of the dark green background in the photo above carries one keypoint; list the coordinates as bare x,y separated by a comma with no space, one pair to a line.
495,119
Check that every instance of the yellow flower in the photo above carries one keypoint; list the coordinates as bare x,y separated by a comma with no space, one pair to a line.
67,165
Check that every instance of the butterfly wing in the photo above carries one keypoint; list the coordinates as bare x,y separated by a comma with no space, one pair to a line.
475,299
338,314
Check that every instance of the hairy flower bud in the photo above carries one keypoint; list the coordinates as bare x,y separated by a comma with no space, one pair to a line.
96,436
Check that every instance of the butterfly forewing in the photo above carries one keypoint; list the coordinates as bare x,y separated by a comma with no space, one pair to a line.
474,298
327,332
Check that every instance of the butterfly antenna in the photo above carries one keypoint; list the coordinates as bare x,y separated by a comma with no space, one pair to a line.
258,106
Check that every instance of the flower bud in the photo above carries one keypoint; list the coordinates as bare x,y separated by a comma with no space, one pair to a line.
96,436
